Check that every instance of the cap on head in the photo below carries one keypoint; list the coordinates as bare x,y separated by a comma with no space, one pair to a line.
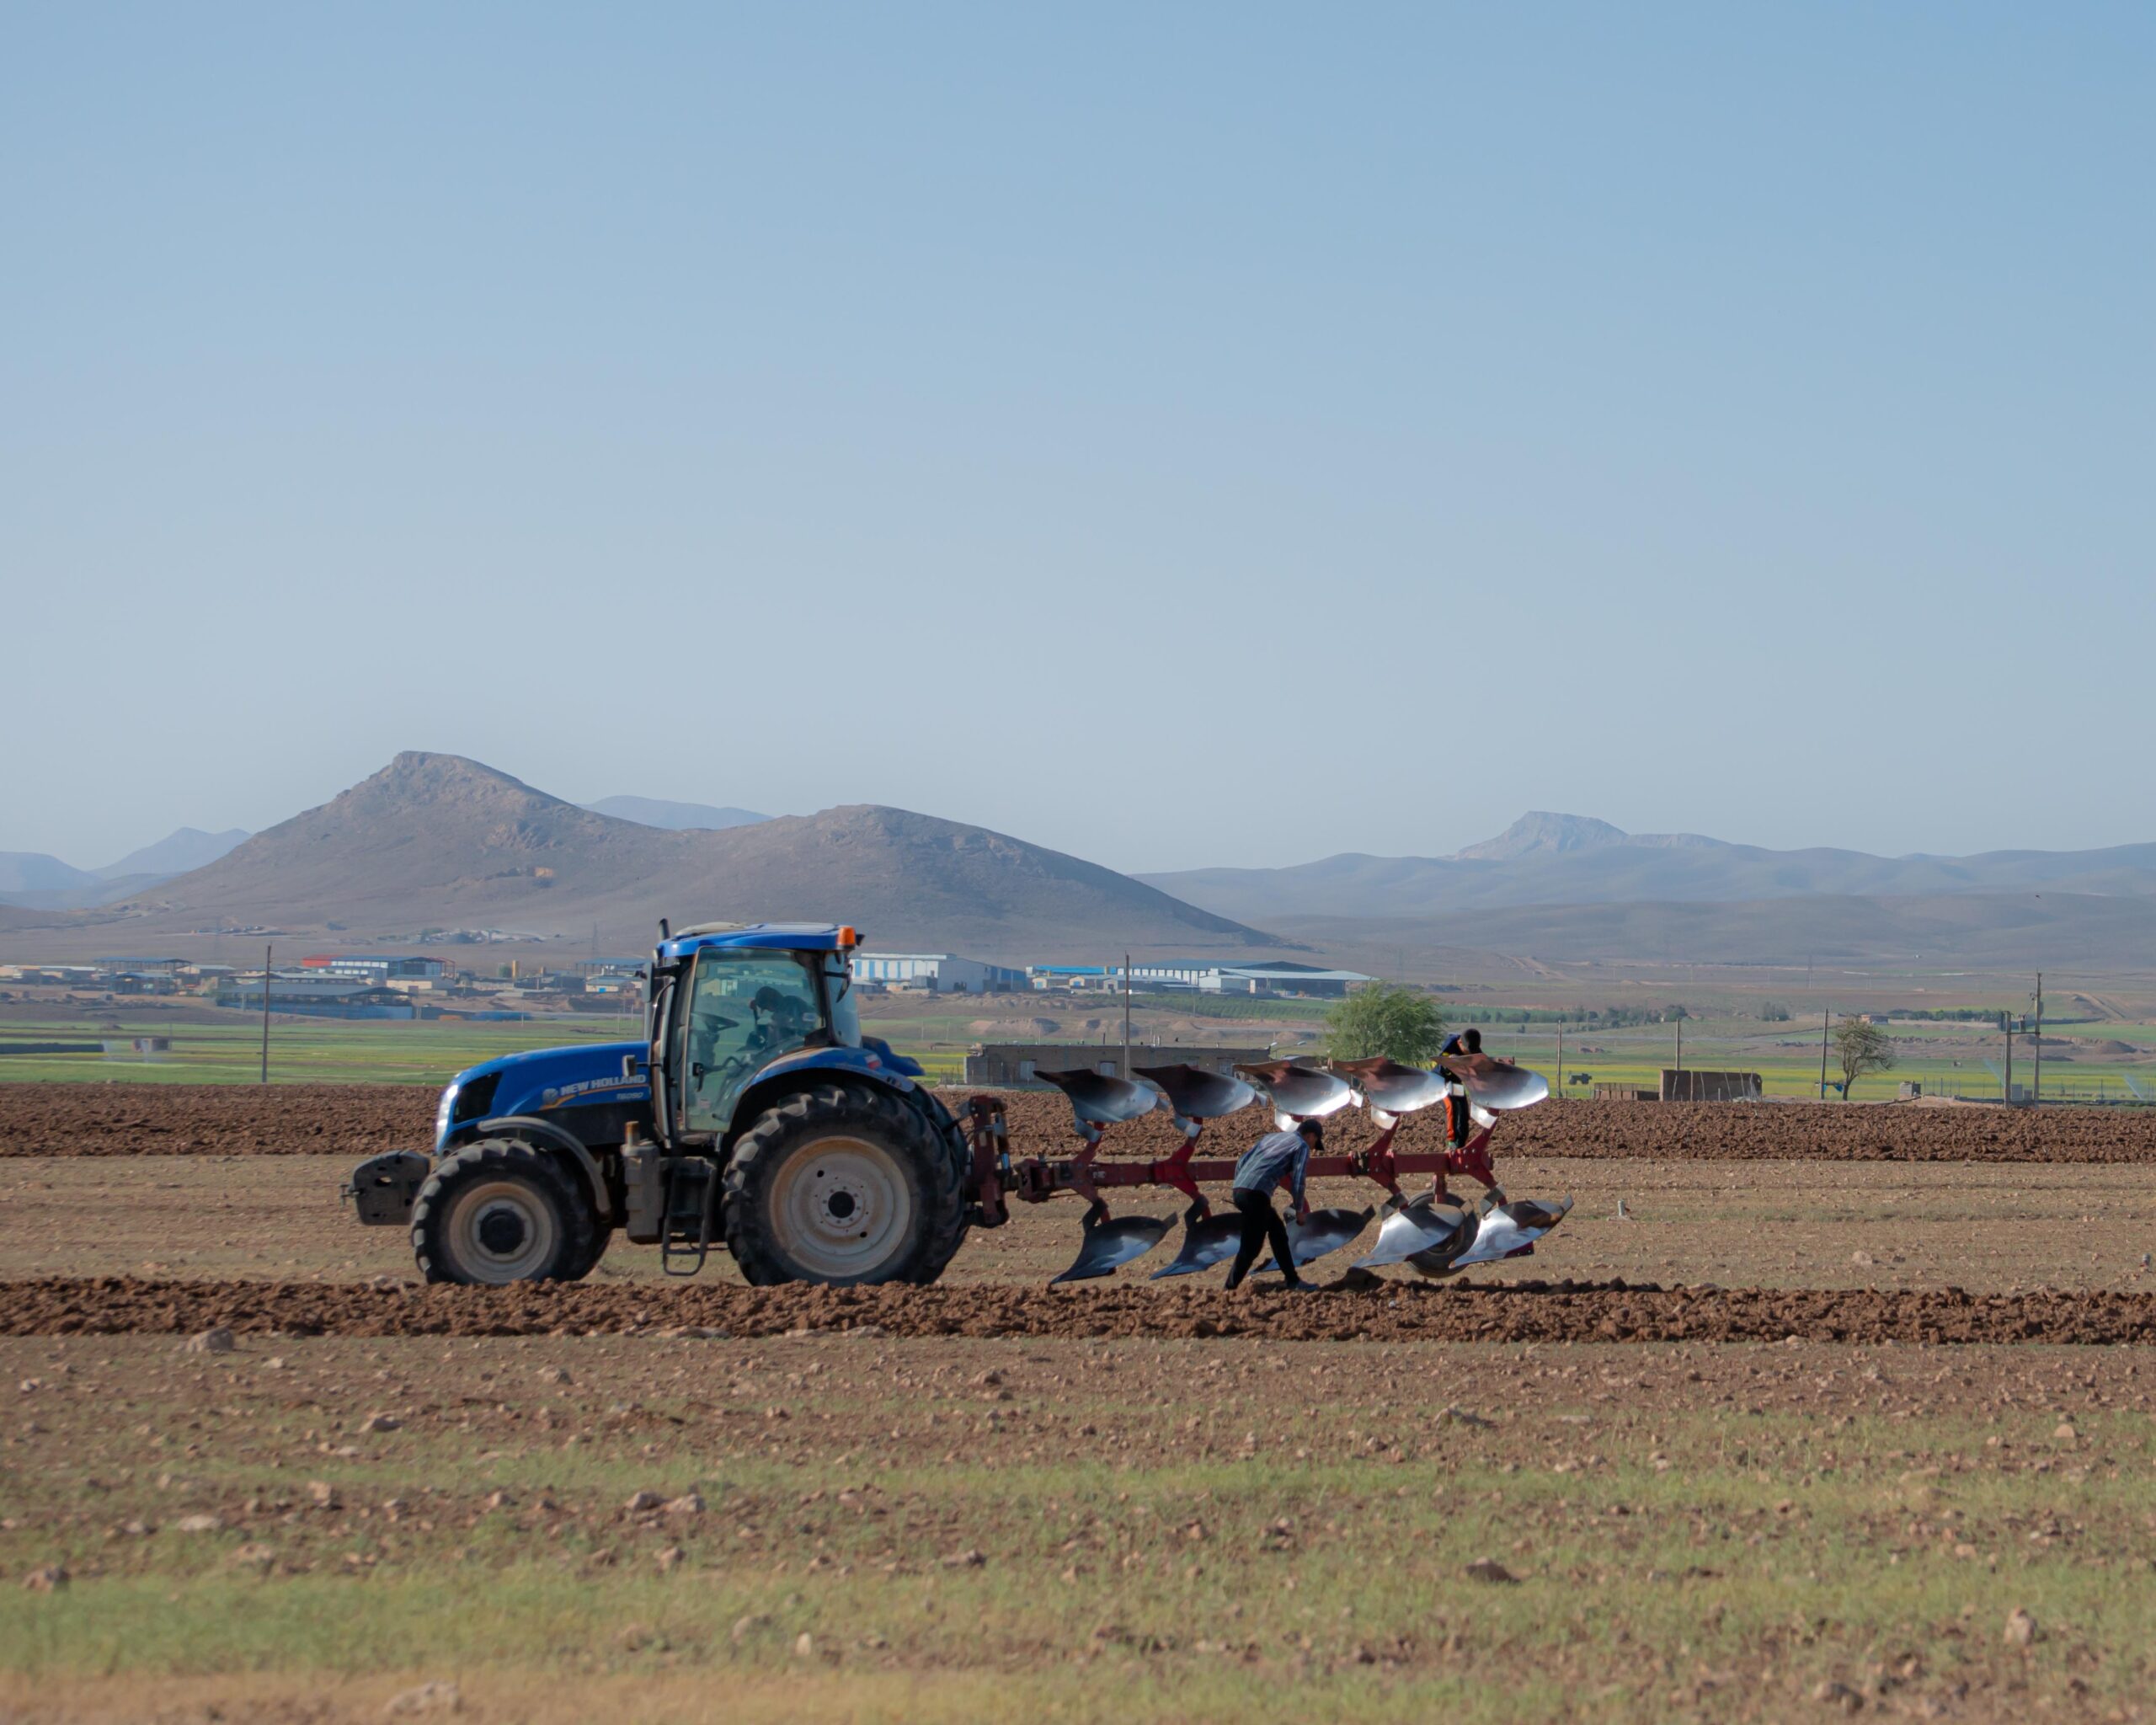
1471,1040
1311,1128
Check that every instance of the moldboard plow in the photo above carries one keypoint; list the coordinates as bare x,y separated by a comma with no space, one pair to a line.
1431,1232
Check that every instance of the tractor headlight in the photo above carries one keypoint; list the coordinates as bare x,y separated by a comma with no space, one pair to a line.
443,1110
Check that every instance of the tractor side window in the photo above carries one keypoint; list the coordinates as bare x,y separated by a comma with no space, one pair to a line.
746,1008
845,1010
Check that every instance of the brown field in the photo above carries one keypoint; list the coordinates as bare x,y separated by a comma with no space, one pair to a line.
1849,1413
358,1120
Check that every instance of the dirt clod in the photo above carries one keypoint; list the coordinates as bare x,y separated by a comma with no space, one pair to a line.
1518,1312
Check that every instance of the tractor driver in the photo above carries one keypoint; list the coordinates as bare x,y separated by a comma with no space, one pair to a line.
727,1044
1276,1156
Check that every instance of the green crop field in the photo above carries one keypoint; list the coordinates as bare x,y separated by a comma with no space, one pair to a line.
2082,1061
309,1051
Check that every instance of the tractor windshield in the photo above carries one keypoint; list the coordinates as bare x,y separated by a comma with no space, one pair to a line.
746,1008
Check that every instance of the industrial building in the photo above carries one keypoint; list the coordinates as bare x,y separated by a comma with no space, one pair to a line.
1045,976
379,968
1014,1065
937,973
1211,976
316,997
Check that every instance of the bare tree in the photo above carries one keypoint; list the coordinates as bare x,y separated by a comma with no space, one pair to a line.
1863,1047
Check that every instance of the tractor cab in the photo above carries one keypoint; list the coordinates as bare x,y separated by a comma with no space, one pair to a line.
730,1001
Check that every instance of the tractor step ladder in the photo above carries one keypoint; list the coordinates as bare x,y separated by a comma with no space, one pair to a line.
691,1203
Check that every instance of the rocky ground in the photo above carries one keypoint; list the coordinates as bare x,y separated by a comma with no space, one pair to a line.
1805,1412
360,1120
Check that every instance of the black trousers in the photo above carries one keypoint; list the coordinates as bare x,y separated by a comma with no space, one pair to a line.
1260,1223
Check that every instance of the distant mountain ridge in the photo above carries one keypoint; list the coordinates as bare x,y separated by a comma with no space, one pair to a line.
31,879
184,848
1546,859
674,817
438,841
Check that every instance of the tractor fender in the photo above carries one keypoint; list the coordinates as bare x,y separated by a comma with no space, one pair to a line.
545,1135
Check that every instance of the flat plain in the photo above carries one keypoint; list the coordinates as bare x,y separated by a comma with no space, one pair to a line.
1119,1502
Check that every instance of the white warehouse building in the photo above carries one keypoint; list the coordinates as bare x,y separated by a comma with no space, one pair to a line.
939,973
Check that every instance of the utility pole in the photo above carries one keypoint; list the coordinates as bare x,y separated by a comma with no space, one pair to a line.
1824,1016
266,953
2006,1023
2037,1089
1561,1063
1126,1015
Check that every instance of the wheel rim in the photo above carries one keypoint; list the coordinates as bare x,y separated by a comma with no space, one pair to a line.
843,1207
502,1231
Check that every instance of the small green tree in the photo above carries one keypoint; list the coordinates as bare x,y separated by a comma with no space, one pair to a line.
1862,1047
1384,1018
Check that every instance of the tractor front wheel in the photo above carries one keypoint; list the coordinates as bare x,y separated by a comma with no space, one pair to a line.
844,1187
500,1211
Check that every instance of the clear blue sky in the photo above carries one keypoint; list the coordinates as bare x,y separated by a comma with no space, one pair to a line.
1726,419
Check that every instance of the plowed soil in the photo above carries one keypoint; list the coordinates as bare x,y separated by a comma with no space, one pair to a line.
362,1119
215,1119
1347,1311
1691,1131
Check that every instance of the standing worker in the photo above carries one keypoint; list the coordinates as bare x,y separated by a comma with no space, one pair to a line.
1460,1057
1276,1156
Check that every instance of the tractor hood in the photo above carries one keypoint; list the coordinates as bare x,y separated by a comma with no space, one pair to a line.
540,1082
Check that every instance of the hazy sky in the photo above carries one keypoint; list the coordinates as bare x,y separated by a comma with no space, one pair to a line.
1176,434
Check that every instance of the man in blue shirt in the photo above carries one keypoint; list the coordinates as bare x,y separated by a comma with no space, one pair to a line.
1276,1156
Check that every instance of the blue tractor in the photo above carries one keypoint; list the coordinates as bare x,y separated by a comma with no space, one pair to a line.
753,1113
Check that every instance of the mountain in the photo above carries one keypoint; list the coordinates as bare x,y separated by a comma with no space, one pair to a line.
1565,859
438,841
1539,835
184,848
34,872
674,817
29,879
1975,932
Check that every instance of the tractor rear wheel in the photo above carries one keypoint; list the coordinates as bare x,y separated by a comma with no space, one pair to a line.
500,1211
844,1187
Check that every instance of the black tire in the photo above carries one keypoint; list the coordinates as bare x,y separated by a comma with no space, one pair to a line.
602,1235
822,1160
500,1211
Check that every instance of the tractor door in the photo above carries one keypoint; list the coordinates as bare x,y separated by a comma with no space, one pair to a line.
745,1008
